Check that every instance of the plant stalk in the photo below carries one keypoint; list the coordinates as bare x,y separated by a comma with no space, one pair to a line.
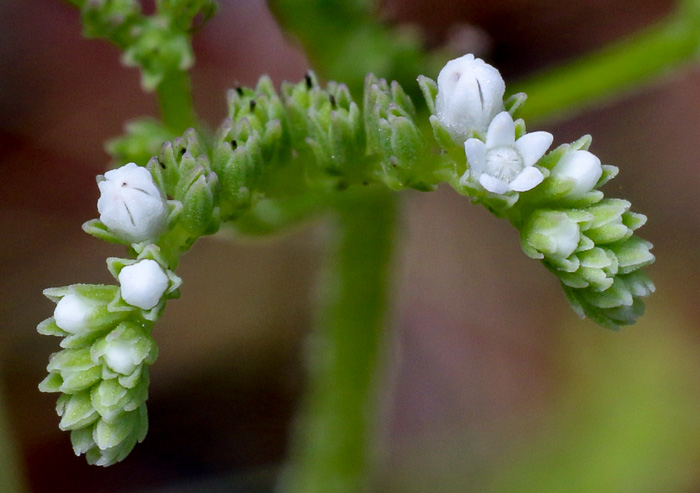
175,100
10,472
618,67
334,450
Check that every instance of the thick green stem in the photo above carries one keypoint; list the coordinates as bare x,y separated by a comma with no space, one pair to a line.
175,99
617,68
334,452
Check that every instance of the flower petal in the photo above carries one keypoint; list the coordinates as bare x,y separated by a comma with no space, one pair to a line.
532,146
492,184
476,155
501,131
528,179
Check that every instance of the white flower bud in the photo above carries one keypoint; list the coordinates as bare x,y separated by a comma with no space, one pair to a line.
131,204
73,313
582,167
143,283
470,95
122,357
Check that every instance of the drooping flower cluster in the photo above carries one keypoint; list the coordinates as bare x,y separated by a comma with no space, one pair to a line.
552,198
102,371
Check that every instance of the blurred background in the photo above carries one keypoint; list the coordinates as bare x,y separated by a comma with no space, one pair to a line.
491,383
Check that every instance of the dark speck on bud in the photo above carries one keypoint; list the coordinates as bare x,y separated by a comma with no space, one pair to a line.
334,105
234,144
252,105
239,90
309,80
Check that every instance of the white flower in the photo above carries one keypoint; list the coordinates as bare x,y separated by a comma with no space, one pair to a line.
502,164
131,204
143,283
73,313
470,95
582,167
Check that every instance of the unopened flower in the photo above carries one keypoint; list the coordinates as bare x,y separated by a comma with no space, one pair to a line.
143,283
581,167
470,95
124,350
552,234
131,205
73,313
503,164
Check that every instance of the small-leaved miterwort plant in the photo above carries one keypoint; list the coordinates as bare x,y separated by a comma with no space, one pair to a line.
288,154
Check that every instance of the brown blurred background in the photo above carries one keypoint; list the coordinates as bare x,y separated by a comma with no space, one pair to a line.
491,382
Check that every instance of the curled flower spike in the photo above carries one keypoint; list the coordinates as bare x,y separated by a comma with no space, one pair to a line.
503,164
131,205
470,95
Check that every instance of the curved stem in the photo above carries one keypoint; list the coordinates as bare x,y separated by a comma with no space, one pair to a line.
618,67
333,449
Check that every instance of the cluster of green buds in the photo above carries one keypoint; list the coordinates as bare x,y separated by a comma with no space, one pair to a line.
254,138
327,131
159,43
394,137
314,139
553,198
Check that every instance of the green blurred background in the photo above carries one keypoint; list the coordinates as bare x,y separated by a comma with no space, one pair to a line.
491,383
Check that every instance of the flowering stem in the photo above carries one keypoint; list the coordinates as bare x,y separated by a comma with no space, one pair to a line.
333,450
616,68
175,99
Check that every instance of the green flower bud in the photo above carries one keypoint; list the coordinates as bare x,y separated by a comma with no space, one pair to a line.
76,411
105,443
111,399
393,135
551,234
198,214
157,49
124,350
143,139
70,371
111,19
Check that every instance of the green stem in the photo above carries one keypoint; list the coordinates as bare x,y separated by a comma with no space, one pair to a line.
10,473
334,452
175,99
616,68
